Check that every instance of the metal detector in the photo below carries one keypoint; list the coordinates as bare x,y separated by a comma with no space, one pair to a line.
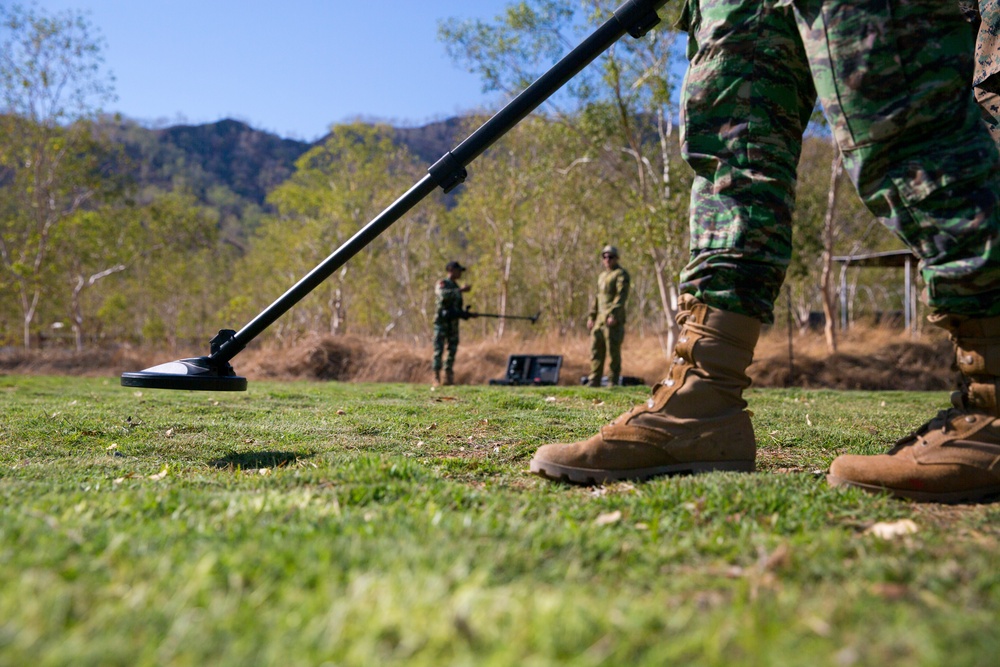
469,313
214,373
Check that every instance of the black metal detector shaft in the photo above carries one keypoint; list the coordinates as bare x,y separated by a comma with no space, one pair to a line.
530,318
214,372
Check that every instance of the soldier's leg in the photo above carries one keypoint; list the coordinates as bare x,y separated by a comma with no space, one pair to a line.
912,136
747,98
449,364
439,342
598,346
986,74
914,143
616,334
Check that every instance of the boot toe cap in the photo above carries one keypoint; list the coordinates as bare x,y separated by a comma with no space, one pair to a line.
902,476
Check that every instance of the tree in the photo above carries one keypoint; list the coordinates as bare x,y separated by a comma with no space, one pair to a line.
51,83
338,187
178,271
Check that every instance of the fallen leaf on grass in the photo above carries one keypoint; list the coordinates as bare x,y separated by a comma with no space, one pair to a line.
888,530
608,518
818,625
550,399
890,591
777,559
161,474
169,433
341,412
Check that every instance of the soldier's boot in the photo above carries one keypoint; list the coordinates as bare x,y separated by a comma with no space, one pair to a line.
695,421
955,457
437,377
449,377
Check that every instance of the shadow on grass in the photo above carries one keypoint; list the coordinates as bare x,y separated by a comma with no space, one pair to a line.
251,460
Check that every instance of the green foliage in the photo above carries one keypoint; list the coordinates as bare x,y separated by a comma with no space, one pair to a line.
338,187
304,523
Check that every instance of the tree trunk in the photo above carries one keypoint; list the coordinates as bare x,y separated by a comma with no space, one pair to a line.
829,236
504,289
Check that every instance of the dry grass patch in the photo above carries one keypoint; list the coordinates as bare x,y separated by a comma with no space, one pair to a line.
867,358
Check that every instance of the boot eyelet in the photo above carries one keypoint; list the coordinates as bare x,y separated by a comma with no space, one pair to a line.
683,339
669,382
649,403
678,360
970,419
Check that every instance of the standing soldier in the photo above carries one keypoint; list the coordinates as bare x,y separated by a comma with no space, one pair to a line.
606,320
448,310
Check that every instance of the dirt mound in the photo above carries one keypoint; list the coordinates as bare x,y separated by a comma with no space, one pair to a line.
88,363
341,358
912,366
866,359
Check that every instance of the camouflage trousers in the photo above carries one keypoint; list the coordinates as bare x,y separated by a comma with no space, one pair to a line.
606,341
985,17
445,336
894,78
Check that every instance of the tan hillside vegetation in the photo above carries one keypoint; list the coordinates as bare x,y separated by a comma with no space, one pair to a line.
868,358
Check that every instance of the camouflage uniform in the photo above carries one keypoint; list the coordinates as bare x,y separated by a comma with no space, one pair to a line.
985,19
922,163
447,313
612,294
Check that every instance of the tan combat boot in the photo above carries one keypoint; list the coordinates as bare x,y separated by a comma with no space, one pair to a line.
695,421
954,457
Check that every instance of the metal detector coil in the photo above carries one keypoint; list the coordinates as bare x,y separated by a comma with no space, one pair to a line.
196,373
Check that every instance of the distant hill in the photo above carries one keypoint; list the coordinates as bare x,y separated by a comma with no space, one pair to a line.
247,162
429,142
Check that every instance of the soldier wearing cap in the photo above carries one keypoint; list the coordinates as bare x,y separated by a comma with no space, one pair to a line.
606,320
448,311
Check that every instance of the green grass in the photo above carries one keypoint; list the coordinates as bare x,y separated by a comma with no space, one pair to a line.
343,524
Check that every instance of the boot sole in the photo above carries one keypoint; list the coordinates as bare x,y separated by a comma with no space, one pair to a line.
592,477
949,498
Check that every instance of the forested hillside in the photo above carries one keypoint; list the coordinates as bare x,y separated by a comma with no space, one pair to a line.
248,162
232,167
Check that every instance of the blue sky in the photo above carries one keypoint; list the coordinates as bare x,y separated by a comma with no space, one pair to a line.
292,67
